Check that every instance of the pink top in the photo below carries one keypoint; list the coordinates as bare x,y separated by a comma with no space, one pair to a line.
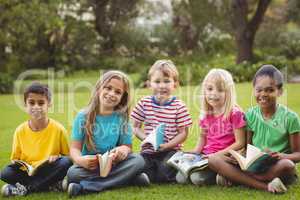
219,131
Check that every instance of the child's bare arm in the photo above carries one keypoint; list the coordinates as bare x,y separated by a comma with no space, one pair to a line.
249,137
88,161
295,147
179,138
137,130
240,141
201,142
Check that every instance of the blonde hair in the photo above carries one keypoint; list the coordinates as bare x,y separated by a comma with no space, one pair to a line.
94,104
167,67
223,80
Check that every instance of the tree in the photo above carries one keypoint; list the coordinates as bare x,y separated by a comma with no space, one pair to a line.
245,28
245,17
110,17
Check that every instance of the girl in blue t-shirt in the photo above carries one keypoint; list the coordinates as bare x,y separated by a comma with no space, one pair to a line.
103,126
271,127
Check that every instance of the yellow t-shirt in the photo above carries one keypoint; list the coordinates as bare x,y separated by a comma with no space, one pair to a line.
36,146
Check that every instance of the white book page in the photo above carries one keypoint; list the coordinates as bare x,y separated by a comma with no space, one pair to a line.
252,153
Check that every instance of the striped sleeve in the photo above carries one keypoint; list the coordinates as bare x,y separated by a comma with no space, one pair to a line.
183,118
138,112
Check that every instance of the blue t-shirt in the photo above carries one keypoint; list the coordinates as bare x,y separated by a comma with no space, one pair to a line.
108,132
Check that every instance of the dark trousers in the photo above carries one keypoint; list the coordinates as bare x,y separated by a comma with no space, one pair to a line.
45,176
157,169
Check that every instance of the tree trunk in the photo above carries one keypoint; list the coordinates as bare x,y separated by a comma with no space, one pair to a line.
245,29
244,43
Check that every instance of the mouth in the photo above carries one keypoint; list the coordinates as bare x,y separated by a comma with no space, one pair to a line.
263,100
108,100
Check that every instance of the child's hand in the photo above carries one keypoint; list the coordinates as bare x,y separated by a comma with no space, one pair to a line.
89,162
121,153
52,159
277,155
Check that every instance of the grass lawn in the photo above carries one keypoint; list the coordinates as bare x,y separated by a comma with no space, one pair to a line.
66,105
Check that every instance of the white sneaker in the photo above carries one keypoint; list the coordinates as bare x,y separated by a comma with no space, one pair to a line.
181,179
221,180
13,190
276,186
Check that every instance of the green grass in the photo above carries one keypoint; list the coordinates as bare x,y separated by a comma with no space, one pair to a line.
66,105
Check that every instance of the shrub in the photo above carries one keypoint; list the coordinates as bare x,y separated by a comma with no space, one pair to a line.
6,83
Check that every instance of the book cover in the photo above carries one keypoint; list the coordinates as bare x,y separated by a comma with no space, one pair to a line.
156,138
187,163
255,159
29,168
105,163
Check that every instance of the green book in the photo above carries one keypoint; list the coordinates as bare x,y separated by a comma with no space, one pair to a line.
255,160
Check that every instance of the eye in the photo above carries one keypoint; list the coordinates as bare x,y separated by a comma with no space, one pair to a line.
31,103
118,92
41,103
107,88
209,88
167,81
269,90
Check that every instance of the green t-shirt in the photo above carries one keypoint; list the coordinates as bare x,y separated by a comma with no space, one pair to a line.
273,133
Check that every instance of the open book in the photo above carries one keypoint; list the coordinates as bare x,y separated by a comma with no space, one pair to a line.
105,163
156,138
29,168
255,159
187,163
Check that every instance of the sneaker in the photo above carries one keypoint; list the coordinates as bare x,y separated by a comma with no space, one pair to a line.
198,178
13,190
221,180
74,189
65,184
276,186
57,187
181,179
142,180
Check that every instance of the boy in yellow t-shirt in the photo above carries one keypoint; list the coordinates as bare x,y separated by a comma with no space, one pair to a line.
36,140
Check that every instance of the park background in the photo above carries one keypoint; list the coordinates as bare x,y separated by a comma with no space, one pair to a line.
68,44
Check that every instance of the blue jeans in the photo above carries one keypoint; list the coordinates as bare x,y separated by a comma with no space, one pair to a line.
47,175
121,174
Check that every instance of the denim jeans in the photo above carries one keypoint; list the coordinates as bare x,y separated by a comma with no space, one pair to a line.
157,169
45,176
121,174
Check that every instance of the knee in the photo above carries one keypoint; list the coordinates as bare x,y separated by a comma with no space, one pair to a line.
73,175
6,174
138,161
287,165
65,162
215,161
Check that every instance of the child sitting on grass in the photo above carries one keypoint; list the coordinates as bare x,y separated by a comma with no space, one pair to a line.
270,126
38,139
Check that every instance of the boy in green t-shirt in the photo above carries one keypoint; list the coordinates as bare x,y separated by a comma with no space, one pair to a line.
272,127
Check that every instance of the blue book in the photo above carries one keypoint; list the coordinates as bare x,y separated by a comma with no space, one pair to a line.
156,138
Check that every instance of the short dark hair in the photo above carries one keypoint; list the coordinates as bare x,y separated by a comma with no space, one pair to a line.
270,71
37,88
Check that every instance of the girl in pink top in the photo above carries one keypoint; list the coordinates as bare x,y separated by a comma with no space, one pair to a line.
222,122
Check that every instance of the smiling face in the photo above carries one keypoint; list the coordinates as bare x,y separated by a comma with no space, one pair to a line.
111,94
162,86
266,92
215,95
37,106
